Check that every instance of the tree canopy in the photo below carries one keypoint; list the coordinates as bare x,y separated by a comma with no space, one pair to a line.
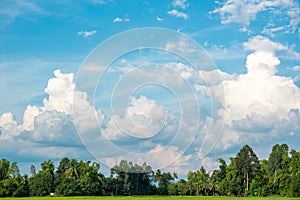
244,175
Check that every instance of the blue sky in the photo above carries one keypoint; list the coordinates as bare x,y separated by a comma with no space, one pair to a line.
251,95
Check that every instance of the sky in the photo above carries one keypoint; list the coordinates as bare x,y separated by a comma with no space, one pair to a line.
174,83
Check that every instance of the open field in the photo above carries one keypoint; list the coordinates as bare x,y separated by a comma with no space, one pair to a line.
155,198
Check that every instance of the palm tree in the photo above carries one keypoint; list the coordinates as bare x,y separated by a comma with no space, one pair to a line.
47,166
72,171
5,169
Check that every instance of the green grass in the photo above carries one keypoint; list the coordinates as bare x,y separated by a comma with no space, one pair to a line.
153,198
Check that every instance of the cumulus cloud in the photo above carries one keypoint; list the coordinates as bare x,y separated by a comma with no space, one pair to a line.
168,158
268,91
8,126
143,119
118,20
51,124
178,14
208,163
259,106
259,102
52,127
87,34
29,116
260,43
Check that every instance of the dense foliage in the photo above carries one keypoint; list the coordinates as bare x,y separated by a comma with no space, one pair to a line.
245,175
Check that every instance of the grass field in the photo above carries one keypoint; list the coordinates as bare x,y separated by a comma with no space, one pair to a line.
154,198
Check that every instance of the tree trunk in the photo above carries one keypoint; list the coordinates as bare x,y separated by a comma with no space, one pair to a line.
247,178
275,174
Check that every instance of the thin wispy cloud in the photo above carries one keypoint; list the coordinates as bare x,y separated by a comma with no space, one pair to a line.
100,1
10,10
160,19
245,12
183,4
296,68
118,20
87,34
178,14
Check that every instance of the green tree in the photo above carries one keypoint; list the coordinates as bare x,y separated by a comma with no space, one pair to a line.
247,168
229,184
182,187
23,189
132,179
4,169
198,182
42,183
294,174
275,163
217,177
163,180
10,179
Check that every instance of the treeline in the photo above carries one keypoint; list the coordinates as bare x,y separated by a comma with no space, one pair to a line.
245,175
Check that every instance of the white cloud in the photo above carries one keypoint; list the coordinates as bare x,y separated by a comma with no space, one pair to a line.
143,119
183,4
296,68
271,30
10,10
7,118
219,52
178,14
100,1
169,158
8,126
207,162
257,105
54,128
263,44
294,15
30,114
118,20
60,90
183,45
160,19
51,124
87,34
244,11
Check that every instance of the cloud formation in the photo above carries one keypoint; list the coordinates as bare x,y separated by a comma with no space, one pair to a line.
183,4
87,34
51,124
244,12
160,19
259,103
118,20
178,14
10,10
